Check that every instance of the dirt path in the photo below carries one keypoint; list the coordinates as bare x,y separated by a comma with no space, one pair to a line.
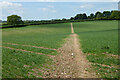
70,63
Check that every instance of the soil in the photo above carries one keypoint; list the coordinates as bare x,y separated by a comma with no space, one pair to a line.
70,63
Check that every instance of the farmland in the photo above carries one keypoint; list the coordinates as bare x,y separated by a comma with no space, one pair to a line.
47,36
98,40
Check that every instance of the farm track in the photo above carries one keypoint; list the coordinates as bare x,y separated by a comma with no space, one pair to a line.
70,63
27,51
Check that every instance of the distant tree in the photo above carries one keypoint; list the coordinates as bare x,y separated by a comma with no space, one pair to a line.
115,15
84,16
72,18
91,16
107,14
78,16
63,19
98,15
14,20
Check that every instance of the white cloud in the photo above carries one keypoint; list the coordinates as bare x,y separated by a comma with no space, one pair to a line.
48,9
54,11
44,9
87,6
5,4
9,8
82,6
51,6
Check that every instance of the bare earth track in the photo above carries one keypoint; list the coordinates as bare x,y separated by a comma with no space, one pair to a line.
70,63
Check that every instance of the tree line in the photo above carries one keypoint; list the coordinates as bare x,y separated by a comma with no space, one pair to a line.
15,20
106,15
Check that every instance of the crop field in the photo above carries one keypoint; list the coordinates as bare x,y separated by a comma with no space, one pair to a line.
99,40
20,44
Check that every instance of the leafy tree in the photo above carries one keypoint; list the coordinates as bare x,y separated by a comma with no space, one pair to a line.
107,14
91,16
78,16
63,19
71,18
14,20
98,15
84,16
115,15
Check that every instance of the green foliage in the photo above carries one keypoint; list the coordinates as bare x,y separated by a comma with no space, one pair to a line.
107,14
110,73
14,20
98,15
102,59
49,36
14,62
98,36
99,40
30,48
81,16
115,15
91,16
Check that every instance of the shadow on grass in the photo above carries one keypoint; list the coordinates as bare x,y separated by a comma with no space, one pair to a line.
19,26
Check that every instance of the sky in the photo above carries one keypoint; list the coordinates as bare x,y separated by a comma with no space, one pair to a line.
53,9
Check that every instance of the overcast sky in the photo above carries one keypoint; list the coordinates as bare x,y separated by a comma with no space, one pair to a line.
52,9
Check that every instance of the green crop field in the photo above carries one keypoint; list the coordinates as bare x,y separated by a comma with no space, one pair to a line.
47,36
99,40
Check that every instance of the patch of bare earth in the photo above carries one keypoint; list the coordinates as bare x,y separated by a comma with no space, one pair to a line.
70,63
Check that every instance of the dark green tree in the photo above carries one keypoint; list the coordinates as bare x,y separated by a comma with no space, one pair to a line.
84,16
91,16
115,15
14,20
71,18
107,14
78,17
63,19
98,15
